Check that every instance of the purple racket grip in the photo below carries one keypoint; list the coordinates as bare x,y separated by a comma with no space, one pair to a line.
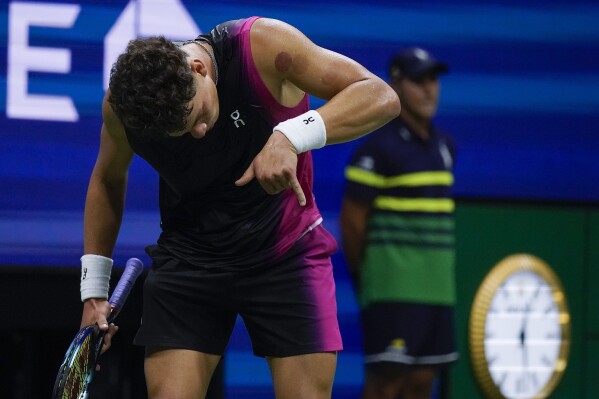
133,269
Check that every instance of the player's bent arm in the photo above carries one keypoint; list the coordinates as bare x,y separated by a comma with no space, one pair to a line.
358,101
107,186
353,222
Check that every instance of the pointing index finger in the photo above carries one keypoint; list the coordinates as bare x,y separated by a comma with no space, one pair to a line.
297,189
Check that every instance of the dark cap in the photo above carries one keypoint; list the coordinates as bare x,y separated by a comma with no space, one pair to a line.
413,63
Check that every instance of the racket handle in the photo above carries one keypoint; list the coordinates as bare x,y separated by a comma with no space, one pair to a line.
133,269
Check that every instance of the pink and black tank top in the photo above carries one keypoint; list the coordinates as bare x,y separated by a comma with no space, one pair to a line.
206,220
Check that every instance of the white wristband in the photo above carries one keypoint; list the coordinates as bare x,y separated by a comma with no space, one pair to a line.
306,131
95,276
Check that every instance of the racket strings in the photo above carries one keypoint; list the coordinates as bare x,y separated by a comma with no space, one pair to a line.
76,367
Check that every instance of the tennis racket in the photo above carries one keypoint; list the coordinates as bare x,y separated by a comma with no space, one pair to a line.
77,368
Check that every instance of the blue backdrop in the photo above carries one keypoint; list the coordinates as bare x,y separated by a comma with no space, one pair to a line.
521,99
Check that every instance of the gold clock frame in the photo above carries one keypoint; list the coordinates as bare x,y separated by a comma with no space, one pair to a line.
480,306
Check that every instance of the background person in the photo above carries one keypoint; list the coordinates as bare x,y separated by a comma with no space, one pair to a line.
398,238
225,121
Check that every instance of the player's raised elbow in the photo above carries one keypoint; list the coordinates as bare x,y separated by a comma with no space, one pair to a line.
389,104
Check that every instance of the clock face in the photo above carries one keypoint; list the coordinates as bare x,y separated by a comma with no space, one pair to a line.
522,335
519,331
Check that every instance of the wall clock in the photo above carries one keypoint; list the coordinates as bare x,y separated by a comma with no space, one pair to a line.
519,331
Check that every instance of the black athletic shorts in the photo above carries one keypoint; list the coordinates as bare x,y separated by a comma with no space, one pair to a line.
288,307
409,333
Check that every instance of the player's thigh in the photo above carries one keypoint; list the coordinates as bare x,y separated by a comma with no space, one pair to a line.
178,373
303,376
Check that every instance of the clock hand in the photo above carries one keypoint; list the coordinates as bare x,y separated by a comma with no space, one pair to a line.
527,308
524,348
523,338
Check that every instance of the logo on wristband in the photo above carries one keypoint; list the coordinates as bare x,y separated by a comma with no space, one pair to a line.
310,119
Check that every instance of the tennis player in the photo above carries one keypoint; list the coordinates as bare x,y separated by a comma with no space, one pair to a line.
225,121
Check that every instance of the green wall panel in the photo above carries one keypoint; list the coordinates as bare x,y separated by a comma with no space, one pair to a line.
591,354
593,277
487,233
591,380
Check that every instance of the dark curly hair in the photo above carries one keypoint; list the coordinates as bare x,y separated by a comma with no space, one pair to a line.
151,85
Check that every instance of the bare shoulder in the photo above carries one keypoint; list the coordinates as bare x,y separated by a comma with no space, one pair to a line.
273,39
273,31
110,119
108,114
284,54
114,143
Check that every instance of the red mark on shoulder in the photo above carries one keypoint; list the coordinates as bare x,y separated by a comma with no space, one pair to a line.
283,62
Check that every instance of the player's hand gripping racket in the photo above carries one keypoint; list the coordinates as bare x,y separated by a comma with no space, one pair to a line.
77,369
